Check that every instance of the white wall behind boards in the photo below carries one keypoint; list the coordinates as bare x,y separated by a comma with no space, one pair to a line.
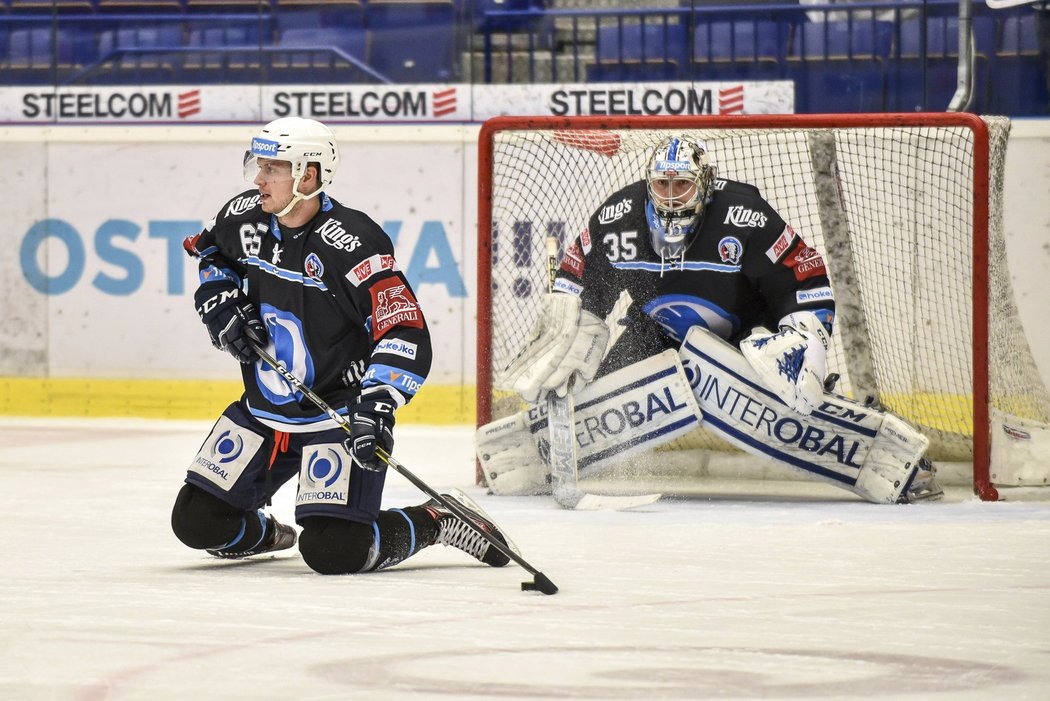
93,248
95,283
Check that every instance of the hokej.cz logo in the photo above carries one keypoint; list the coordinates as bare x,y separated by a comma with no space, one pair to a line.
323,468
264,147
227,447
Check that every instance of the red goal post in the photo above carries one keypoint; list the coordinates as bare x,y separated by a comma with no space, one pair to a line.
902,206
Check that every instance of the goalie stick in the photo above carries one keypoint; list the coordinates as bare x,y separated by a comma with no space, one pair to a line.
561,428
540,581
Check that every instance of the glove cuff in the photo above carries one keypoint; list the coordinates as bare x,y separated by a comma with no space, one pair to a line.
379,393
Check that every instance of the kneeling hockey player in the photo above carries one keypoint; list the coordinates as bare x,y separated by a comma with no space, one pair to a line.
315,283
709,267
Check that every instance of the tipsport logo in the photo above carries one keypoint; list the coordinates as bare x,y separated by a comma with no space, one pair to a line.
264,147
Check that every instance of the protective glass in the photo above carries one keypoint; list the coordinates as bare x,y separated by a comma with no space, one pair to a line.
266,169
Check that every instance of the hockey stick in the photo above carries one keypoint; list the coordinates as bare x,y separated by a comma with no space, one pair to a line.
561,428
540,581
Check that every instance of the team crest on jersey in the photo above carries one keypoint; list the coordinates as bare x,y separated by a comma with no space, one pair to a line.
730,250
585,240
313,267
393,305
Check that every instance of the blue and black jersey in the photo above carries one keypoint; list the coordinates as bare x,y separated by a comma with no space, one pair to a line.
745,266
339,312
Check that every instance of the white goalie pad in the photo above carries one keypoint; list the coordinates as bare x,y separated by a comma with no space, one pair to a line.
623,414
869,452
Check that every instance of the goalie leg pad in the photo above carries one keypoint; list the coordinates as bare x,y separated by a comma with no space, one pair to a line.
510,460
623,414
871,453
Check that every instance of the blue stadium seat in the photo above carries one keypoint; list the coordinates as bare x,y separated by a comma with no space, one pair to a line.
224,5
140,6
1019,36
738,50
229,35
332,55
655,50
480,22
413,41
1020,69
928,82
165,36
34,49
352,41
942,36
638,42
416,54
840,66
861,38
63,6
736,41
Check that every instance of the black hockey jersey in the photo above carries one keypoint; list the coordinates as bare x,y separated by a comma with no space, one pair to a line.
339,313
745,266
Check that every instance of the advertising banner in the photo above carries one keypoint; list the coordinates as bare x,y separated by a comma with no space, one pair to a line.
384,103
98,284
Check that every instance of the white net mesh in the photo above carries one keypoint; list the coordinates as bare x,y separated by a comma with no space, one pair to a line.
890,207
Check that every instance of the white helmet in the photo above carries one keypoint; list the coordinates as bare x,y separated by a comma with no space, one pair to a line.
685,162
299,141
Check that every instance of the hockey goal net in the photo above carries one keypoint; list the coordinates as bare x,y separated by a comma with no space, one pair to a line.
906,210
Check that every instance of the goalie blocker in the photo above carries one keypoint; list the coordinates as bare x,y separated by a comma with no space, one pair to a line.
871,453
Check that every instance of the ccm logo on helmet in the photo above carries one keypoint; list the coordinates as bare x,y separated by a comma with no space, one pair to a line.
263,147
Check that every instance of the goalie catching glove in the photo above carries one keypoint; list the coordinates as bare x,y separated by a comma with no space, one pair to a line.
563,352
792,362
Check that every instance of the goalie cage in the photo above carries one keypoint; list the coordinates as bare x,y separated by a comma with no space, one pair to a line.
905,208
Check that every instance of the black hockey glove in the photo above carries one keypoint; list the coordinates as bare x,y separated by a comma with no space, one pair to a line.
231,319
371,427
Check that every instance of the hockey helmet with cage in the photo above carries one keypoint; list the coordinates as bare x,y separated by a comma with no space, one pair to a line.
680,177
299,141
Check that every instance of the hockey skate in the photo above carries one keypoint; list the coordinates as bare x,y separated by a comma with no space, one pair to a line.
923,486
453,531
281,537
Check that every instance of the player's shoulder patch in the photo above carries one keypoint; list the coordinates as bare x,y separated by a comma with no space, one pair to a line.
393,304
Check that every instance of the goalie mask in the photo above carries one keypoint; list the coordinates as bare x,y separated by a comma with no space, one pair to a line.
679,177
300,142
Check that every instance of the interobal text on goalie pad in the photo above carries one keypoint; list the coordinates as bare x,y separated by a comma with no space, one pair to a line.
843,442
618,416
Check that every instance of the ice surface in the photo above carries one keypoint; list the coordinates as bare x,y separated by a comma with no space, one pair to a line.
702,598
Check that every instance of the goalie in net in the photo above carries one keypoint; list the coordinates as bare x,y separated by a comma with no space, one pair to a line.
686,299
